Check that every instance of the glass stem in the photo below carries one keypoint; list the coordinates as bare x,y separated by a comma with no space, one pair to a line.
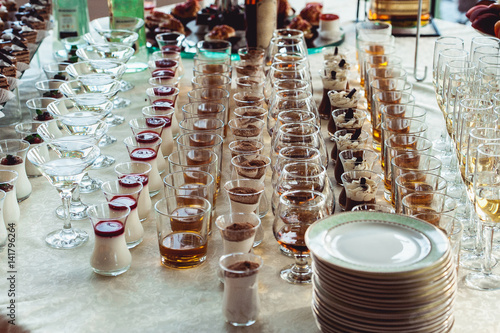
66,196
301,265
488,243
479,226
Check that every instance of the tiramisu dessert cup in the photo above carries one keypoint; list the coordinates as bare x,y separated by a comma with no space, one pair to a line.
13,157
11,211
238,231
244,195
360,187
355,159
111,256
120,195
241,303
146,152
250,167
247,128
341,100
245,147
129,173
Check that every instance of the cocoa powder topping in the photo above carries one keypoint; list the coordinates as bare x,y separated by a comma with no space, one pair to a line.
244,268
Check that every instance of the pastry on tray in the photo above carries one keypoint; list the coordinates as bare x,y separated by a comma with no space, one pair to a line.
299,23
311,13
186,11
221,32
285,10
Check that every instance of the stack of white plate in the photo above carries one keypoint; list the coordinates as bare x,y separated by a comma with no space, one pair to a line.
379,272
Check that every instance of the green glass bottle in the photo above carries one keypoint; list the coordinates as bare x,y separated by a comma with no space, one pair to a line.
72,18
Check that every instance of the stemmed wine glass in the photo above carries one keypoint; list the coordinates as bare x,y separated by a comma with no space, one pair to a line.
64,166
297,210
487,200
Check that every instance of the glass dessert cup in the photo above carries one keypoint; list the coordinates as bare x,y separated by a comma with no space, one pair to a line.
110,256
11,211
28,131
49,88
129,173
64,166
119,195
13,157
296,211
238,231
360,187
56,70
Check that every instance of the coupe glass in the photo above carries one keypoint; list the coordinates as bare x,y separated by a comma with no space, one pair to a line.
297,210
110,51
85,105
487,197
64,166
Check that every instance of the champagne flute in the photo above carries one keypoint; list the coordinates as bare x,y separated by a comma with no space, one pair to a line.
64,166
297,210
487,201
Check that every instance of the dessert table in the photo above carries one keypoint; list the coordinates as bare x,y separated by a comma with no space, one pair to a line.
57,291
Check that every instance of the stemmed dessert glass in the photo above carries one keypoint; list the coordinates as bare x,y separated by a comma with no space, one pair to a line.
109,51
487,197
296,211
64,166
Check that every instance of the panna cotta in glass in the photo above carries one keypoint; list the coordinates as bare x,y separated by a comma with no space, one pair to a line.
241,303
146,152
13,157
244,195
119,197
111,255
238,231
129,173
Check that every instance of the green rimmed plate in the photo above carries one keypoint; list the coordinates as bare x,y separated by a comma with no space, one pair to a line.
376,243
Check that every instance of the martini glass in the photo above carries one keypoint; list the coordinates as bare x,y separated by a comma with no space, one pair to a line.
94,105
108,51
132,24
95,83
89,133
64,166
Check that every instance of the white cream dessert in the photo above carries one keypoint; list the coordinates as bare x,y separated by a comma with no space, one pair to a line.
351,119
333,80
344,99
244,199
241,297
110,253
134,232
362,190
333,53
344,142
355,163
329,25
238,237
11,211
3,229
340,66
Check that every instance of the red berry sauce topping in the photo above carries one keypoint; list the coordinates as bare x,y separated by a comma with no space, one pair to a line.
147,137
328,17
133,179
121,202
164,91
165,63
163,72
109,228
170,48
163,104
143,154
11,160
155,122
42,116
